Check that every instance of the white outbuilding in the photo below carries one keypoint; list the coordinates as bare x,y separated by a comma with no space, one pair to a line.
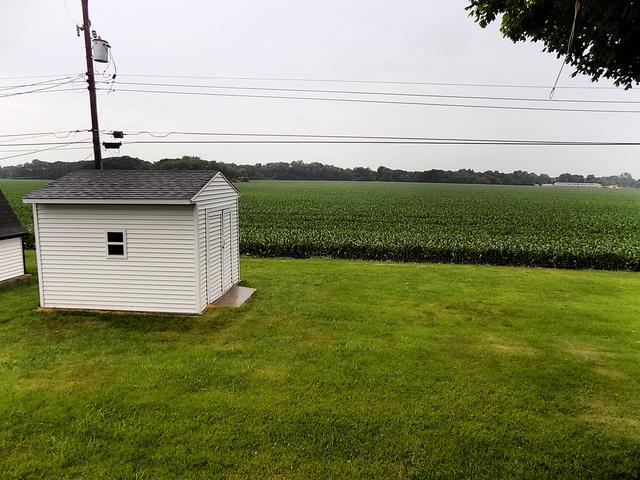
136,240
11,244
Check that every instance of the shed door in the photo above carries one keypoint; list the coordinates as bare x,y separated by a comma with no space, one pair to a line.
214,255
227,249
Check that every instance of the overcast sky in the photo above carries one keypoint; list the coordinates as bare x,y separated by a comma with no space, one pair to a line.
408,40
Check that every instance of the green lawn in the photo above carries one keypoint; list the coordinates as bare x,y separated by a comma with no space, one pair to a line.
335,369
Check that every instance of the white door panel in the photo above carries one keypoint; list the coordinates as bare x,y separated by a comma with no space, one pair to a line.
214,255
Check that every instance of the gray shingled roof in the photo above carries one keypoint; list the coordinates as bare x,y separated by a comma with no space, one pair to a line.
125,185
9,223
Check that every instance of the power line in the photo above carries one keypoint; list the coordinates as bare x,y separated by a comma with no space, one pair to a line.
40,150
385,102
59,90
66,9
48,88
26,137
313,138
61,81
2,149
338,141
365,137
65,133
26,85
39,144
377,82
330,80
381,142
569,44
25,77
361,92
10,139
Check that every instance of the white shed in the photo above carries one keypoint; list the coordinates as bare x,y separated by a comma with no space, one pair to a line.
11,246
136,240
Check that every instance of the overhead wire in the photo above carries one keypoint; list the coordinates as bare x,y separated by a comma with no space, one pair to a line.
346,81
41,150
569,45
39,144
75,145
364,81
361,81
11,139
115,71
356,137
66,133
371,101
48,88
4,150
56,90
26,137
376,93
75,88
24,77
66,9
381,142
295,138
34,84
59,90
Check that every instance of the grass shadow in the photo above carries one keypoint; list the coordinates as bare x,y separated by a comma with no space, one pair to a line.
143,323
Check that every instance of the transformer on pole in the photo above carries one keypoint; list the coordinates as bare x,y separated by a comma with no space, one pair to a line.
100,49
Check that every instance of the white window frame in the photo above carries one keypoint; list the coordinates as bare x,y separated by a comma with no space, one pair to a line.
123,243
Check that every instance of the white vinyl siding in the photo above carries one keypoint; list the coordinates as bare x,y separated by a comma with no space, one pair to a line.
157,275
11,259
216,197
217,194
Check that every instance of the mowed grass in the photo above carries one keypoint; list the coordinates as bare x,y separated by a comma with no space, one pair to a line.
334,369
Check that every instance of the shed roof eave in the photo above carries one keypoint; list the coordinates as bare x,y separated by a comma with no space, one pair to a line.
13,235
107,201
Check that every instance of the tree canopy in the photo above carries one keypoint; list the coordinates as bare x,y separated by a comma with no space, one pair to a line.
299,170
607,35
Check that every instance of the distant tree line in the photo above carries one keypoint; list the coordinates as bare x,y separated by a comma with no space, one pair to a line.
299,170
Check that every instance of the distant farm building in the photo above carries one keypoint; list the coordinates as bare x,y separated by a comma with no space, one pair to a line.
577,185
11,245
157,241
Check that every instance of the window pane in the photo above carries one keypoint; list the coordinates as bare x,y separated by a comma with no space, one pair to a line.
115,237
115,249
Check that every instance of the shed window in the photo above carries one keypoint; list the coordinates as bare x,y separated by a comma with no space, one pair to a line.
116,244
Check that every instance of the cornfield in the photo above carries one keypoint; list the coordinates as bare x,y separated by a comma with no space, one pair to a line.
529,226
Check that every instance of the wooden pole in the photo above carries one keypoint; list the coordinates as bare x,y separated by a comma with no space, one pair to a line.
95,129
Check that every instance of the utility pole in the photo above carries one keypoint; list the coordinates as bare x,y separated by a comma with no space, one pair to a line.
95,129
